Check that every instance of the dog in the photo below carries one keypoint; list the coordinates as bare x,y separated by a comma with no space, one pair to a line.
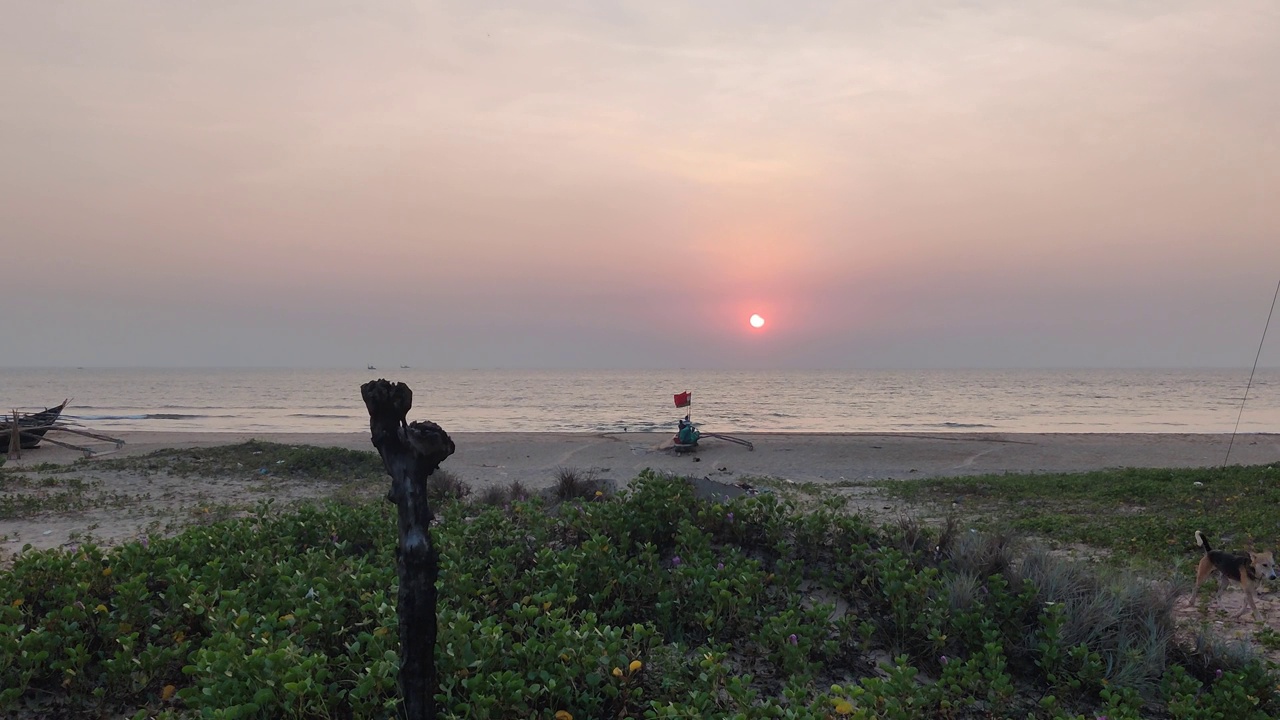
1247,568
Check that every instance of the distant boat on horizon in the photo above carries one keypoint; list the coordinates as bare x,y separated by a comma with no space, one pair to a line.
372,368
404,367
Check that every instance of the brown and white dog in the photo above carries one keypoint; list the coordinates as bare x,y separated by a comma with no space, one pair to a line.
1246,568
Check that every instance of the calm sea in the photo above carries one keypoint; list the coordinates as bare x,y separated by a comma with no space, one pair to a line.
283,400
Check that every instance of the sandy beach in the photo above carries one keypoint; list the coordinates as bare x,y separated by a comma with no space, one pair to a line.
532,458
110,504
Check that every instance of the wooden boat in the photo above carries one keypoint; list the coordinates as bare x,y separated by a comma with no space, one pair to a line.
31,427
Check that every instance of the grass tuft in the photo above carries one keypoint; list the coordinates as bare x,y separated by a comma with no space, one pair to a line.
498,496
1127,620
493,495
981,554
574,484
517,492
443,486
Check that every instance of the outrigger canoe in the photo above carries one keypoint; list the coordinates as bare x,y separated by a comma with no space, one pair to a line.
31,427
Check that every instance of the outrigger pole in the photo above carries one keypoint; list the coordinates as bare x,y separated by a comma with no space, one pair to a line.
730,438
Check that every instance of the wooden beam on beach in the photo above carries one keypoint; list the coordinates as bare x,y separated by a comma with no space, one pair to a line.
88,452
745,443
76,431
411,453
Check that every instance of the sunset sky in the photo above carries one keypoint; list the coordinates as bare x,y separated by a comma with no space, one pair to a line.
997,183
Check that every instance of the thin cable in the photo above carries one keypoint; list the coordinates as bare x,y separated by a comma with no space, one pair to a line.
1251,372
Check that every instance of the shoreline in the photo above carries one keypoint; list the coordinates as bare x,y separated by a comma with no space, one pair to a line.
484,458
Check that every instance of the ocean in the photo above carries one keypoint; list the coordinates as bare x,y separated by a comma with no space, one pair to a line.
309,400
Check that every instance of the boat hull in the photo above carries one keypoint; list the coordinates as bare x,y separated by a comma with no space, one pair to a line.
31,428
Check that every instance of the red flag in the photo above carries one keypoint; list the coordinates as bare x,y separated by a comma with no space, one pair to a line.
684,399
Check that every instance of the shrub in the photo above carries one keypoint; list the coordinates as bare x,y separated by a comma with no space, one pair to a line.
648,604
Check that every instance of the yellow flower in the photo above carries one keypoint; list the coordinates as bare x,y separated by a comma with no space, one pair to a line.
564,657
106,572
101,608
167,693
617,672
635,665
563,715
18,602
844,707
179,636
546,606
599,493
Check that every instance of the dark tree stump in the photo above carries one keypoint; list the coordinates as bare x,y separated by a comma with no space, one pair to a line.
410,454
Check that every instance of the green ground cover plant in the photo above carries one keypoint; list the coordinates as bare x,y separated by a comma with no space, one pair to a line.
647,604
88,484
1149,515
280,460
23,494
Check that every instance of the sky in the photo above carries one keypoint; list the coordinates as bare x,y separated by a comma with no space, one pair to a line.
595,184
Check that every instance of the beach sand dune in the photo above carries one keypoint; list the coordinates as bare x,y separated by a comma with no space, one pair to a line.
134,502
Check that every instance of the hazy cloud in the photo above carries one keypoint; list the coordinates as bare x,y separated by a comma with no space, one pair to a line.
620,184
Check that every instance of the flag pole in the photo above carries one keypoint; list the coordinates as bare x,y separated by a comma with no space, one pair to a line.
687,398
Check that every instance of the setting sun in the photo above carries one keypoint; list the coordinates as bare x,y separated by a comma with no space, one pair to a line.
757,321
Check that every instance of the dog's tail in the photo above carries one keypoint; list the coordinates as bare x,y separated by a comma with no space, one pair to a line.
1202,542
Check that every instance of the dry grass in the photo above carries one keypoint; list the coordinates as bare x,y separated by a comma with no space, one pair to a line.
572,484
442,485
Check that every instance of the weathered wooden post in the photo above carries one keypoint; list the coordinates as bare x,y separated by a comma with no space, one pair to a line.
410,454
